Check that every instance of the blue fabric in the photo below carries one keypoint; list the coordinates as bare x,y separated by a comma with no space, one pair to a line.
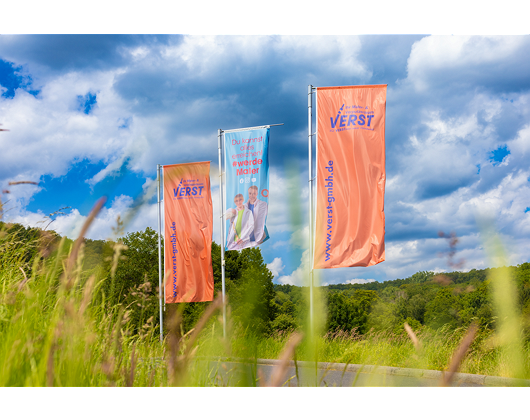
247,164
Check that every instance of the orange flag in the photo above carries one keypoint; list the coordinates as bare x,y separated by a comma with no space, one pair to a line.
188,233
350,218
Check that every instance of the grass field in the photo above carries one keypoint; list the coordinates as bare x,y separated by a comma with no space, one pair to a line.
56,329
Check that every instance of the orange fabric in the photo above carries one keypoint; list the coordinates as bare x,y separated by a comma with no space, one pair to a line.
188,229
350,218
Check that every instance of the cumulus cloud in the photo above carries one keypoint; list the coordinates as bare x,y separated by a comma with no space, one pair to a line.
359,281
300,276
276,266
104,225
48,132
465,60
520,146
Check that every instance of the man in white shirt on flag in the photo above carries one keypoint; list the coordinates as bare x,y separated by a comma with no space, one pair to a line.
259,210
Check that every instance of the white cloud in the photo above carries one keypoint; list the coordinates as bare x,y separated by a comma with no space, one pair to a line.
359,281
521,144
459,56
207,56
47,133
276,266
70,224
201,54
339,54
300,276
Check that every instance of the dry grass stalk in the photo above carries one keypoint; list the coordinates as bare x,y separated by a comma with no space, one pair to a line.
452,241
177,364
151,378
459,354
46,243
79,241
130,377
115,335
23,182
49,363
12,183
49,367
23,282
87,294
216,304
278,374
118,248
415,341
107,367
173,343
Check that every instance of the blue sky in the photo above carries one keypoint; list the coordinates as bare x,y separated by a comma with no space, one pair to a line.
92,115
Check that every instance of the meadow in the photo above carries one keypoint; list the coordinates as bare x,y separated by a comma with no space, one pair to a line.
62,325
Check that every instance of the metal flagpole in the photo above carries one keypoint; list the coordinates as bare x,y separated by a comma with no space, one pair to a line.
310,140
159,257
221,243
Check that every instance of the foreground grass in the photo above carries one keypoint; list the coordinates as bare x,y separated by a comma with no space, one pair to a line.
57,329
485,357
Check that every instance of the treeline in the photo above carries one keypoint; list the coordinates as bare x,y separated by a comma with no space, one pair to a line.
425,299
127,274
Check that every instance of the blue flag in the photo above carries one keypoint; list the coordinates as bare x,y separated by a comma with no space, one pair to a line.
247,188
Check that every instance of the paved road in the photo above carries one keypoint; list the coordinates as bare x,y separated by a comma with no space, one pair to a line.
332,378
248,374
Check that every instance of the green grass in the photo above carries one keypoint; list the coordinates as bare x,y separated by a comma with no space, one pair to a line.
485,357
57,329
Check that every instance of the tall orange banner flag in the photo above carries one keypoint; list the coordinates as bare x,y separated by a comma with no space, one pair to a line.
350,218
188,232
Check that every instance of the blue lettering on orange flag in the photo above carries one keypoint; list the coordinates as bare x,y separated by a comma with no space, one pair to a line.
331,199
333,124
364,118
174,257
193,188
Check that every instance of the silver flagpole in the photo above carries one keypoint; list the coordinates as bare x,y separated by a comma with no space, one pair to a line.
159,257
310,141
221,243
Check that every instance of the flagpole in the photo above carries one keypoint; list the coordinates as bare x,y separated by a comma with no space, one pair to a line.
310,138
159,257
221,243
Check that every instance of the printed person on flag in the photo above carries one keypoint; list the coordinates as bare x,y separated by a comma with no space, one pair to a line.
247,176
259,211
241,225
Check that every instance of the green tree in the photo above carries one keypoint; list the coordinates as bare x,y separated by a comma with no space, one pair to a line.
135,283
26,243
251,292
97,252
249,289
442,309
288,308
348,312
476,305
416,308
385,317
421,277
284,322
